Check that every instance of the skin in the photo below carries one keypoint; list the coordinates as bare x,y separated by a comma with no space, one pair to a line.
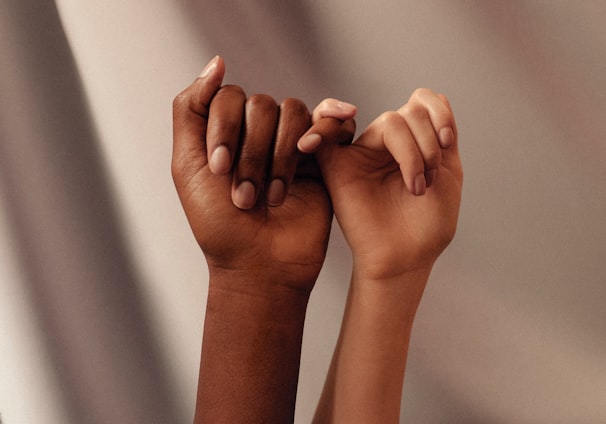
263,253
396,193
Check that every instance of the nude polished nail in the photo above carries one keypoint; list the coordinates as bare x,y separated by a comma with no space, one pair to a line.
309,143
420,185
209,67
446,137
244,195
346,107
219,161
275,192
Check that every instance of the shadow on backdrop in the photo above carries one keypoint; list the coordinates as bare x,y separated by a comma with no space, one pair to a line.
73,256
270,45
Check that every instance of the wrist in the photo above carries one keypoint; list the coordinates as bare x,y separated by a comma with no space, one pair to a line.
256,290
251,348
390,261
391,273
399,292
262,281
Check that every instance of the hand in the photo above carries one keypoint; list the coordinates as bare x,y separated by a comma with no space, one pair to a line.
255,205
261,214
396,190
396,194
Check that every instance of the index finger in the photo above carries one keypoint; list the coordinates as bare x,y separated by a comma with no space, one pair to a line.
440,115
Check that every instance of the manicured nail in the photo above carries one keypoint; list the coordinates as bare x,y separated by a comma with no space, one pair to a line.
244,196
446,137
219,161
309,143
346,107
419,185
430,177
209,67
275,192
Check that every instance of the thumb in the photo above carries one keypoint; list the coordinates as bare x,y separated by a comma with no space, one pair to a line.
190,117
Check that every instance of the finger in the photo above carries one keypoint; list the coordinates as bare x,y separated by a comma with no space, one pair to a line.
224,125
446,102
261,118
333,122
390,131
190,114
451,158
293,121
333,108
440,115
327,131
419,123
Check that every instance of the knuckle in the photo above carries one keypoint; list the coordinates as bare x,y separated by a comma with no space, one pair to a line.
262,101
295,106
421,93
414,111
389,118
231,90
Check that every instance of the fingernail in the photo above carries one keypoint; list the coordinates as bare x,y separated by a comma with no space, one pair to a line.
446,137
244,196
275,192
419,185
430,177
209,67
309,143
219,161
346,107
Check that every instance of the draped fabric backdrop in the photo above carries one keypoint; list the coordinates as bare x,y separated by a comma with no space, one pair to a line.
102,287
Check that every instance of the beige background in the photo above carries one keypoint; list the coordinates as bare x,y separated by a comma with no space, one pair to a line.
102,287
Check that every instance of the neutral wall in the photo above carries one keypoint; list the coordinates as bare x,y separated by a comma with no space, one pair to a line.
102,287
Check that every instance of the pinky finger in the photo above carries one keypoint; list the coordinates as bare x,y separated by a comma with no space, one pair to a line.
333,108
327,130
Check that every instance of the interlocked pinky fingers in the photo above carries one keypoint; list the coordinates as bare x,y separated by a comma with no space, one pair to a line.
333,108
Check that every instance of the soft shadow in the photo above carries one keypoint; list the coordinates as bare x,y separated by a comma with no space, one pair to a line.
270,46
74,260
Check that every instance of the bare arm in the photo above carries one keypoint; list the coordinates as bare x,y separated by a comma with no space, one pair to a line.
261,215
396,194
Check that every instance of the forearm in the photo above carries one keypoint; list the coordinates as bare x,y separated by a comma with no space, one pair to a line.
250,352
364,383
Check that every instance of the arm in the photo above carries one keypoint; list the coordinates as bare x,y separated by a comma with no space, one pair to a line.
250,352
396,194
264,246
